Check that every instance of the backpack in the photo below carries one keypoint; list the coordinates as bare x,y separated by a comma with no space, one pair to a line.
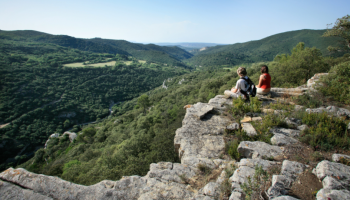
251,91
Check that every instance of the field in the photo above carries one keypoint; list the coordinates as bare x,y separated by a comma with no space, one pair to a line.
111,63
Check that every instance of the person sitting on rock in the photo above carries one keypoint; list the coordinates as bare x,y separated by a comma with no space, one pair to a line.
241,84
264,85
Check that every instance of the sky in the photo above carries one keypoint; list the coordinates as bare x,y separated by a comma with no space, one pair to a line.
157,21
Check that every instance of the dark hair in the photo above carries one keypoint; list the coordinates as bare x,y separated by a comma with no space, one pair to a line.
264,69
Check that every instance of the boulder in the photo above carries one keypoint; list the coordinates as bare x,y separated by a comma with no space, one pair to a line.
292,169
293,122
285,131
302,127
249,129
259,149
338,175
282,140
326,194
282,183
327,168
338,157
237,196
212,189
233,127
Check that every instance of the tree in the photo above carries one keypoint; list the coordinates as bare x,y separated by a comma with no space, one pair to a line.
341,29
143,102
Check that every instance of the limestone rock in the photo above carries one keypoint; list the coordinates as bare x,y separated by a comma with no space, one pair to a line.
249,129
316,110
282,183
279,186
71,135
212,189
292,169
200,109
200,140
326,194
10,191
332,183
282,140
170,171
265,164
237,196
219,102
313,81
299,107
233,127
292,122
302,127
54,135
277,92
337,157
250,119
342,112
131,187
333,175
285,131
327,168
259,149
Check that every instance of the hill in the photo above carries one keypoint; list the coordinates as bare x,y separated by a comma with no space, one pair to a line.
152,53
39,95
261,50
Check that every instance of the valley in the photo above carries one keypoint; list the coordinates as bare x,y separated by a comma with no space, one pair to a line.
56,83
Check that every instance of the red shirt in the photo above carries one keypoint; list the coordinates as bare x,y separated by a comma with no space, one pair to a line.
266,83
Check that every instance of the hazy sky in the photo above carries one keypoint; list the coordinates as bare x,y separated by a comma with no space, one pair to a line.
154,21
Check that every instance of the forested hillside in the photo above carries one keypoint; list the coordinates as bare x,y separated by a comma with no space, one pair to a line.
167,55
262,50
39,96
126,144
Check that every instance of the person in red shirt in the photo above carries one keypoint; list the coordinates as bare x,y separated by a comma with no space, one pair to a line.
264,85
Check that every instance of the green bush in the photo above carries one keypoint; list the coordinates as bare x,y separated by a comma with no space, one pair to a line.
232,149
325,132
336,84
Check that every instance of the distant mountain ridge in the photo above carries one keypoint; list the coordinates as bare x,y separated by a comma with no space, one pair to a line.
262,50
150,52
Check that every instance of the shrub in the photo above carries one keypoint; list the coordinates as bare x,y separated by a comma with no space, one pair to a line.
325,132
240,106
336,84
232,149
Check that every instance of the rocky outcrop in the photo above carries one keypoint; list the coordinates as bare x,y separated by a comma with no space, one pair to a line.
200,140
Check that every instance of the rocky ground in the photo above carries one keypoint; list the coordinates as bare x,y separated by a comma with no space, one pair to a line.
206,171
